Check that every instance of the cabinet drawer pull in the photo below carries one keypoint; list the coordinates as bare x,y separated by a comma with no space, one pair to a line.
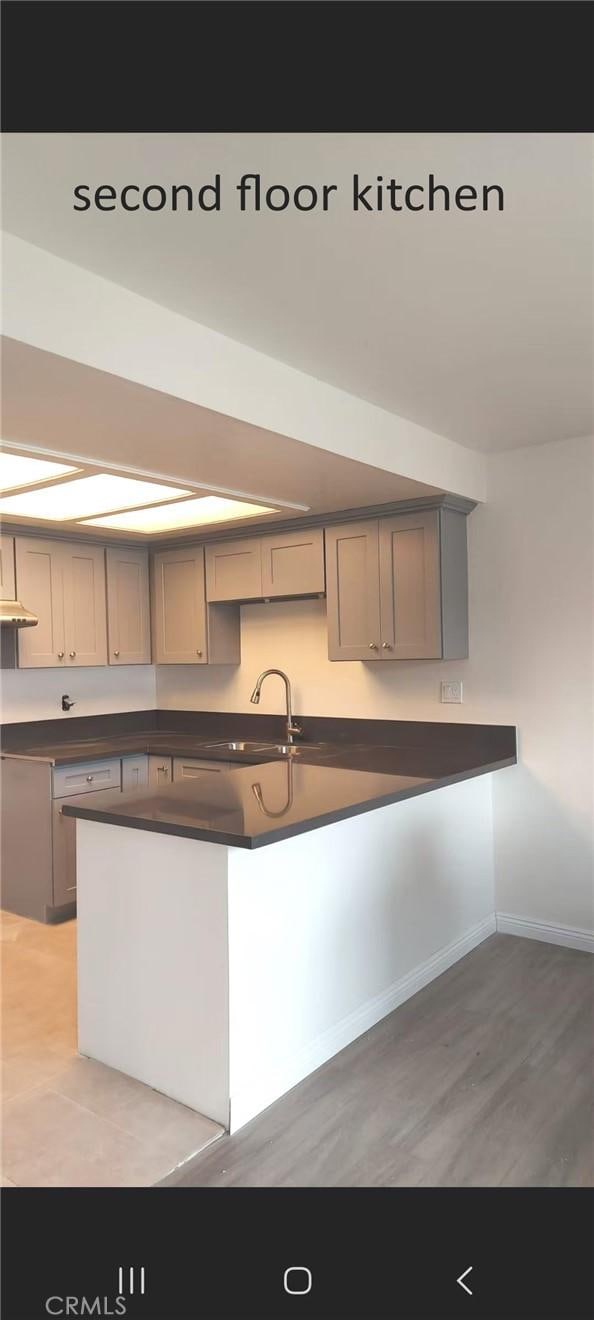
60,655
386,646
72,654
373,646
116,653
90,779
199,653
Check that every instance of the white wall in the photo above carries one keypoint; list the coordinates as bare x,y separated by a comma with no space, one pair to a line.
35,694
530,558
64,309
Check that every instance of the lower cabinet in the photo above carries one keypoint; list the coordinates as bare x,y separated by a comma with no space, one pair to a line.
63,856
37,842
135,772
160,771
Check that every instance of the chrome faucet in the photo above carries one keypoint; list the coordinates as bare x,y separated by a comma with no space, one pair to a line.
293,730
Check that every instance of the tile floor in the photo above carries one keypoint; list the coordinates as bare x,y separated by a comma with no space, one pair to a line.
68,1121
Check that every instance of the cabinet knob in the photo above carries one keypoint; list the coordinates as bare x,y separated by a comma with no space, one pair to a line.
90,779
386,646
72,654
373,646
60,655
116,653
198,652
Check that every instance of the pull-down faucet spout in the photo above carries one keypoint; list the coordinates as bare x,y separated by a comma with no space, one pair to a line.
293,730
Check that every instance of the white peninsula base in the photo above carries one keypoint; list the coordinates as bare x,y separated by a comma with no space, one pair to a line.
222,976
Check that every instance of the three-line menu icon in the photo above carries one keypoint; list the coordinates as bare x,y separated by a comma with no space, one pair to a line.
131,1279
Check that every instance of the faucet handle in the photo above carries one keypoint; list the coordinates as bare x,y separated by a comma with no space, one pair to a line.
294,728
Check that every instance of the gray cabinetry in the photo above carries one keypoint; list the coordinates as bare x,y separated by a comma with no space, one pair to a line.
38,842
234,570
134,772
281,565
293,563
128,609
64,584
7,578
410,606
192,767
160,771
186,630
352,588
397,587
63,856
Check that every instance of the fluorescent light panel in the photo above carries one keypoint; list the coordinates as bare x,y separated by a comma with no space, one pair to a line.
18,470
188,513
86,496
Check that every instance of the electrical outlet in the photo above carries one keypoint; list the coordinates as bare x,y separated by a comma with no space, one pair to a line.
452,691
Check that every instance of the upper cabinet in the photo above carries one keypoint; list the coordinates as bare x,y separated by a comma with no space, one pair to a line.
352,587
128,610
293,564
266,567
187,631
397,588
85,619
234,570
64,584
7,579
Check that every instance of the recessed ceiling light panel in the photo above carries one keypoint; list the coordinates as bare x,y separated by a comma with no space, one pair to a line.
189,513
86,496
20,470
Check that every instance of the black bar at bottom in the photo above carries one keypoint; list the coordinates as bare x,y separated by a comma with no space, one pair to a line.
181,1254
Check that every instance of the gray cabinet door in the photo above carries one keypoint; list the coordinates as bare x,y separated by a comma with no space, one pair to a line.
135,772
410,586
160,771
63,856
179,616
40,586
293,563
85,614
352,587
128,613
234,570
7,578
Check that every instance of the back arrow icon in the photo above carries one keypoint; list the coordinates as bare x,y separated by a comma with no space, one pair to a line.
461,1279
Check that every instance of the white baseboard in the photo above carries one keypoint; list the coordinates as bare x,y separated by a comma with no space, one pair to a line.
570,937
245,1105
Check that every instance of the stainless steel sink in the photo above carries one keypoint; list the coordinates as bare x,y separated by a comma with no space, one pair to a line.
233,746
281,749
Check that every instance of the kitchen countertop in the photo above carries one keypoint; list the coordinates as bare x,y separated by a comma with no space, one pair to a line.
263,796
251,805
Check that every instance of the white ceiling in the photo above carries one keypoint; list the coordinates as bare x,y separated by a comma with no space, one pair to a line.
477,326
66,408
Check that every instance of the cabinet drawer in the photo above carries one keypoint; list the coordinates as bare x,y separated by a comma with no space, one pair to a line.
86,777
190,767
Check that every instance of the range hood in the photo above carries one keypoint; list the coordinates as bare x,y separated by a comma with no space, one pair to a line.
14,615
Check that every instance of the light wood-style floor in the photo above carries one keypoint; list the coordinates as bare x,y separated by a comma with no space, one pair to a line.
482,1079
68,1121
